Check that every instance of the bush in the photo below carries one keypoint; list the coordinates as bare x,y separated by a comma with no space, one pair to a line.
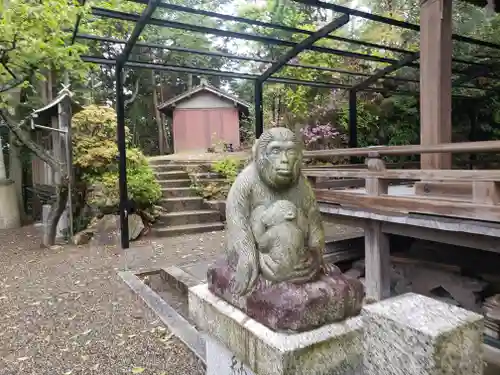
321,136
142,188
95,157
228,167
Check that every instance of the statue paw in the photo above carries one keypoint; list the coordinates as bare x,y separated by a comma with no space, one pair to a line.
247,272
331,269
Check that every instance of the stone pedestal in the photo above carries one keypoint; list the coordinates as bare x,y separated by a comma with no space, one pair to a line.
9,210
237,344
416,335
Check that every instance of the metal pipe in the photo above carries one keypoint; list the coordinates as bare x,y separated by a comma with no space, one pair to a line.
234,57
141,22
353,119
387,70
233,34
390,21
221,73
306,43
259,110
122,155
295,30
49,128
245,58
77,23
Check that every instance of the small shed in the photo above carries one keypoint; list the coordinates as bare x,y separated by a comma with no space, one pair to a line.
48,131
203,117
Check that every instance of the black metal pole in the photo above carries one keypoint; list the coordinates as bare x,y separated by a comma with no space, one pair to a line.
120,118
353,119
122,155
306,43
259,113
388,69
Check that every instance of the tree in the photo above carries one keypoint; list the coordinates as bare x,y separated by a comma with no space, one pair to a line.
34,36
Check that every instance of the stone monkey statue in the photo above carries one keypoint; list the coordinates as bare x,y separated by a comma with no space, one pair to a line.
274,174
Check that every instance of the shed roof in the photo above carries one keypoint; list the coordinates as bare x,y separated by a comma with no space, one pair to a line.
169,105
42,116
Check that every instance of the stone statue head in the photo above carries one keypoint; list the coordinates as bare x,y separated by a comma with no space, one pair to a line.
277,156
280,212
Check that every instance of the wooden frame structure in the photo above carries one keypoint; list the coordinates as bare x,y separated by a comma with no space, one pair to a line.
459,207
431,57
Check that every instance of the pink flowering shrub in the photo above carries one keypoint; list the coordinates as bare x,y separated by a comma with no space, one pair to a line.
321,136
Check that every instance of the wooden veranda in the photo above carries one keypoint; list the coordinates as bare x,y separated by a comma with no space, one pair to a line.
438,202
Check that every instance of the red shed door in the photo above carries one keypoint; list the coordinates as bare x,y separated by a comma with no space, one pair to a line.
199,129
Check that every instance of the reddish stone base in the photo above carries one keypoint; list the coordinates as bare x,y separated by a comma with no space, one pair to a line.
291,307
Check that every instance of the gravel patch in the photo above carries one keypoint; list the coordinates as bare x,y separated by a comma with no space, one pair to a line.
66,311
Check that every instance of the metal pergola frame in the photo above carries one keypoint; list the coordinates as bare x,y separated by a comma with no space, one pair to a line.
474,70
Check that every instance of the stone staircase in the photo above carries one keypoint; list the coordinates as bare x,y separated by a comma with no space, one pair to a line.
186,211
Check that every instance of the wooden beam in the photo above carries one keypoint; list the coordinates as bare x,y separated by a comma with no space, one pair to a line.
443,189
409,174
339,184
473,241
357,217
485,192
435,79
405,205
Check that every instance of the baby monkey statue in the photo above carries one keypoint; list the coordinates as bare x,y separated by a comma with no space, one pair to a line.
273,269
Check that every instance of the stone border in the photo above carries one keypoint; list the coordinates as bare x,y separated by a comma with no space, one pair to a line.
179,279
175,322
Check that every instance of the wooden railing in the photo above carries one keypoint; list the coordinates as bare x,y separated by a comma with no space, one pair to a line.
471,194
463,147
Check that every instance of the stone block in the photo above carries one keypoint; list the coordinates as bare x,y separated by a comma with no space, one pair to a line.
10,217
416,335
247,345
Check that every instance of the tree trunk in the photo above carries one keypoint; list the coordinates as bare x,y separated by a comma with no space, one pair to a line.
3,173
16,173
62,190
159,122
57,209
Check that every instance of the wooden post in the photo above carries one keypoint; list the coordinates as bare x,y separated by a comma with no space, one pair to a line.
435,79
377,252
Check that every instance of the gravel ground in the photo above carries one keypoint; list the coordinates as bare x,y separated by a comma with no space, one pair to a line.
65,311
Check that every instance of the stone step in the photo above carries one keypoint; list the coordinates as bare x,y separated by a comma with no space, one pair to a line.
174,183
182,203
180,162
207,175
172,175
188,217
167,168
180,230
206,181
178,192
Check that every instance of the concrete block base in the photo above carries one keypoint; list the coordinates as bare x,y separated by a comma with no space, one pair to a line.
10,217
220,360
236,342
416,335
